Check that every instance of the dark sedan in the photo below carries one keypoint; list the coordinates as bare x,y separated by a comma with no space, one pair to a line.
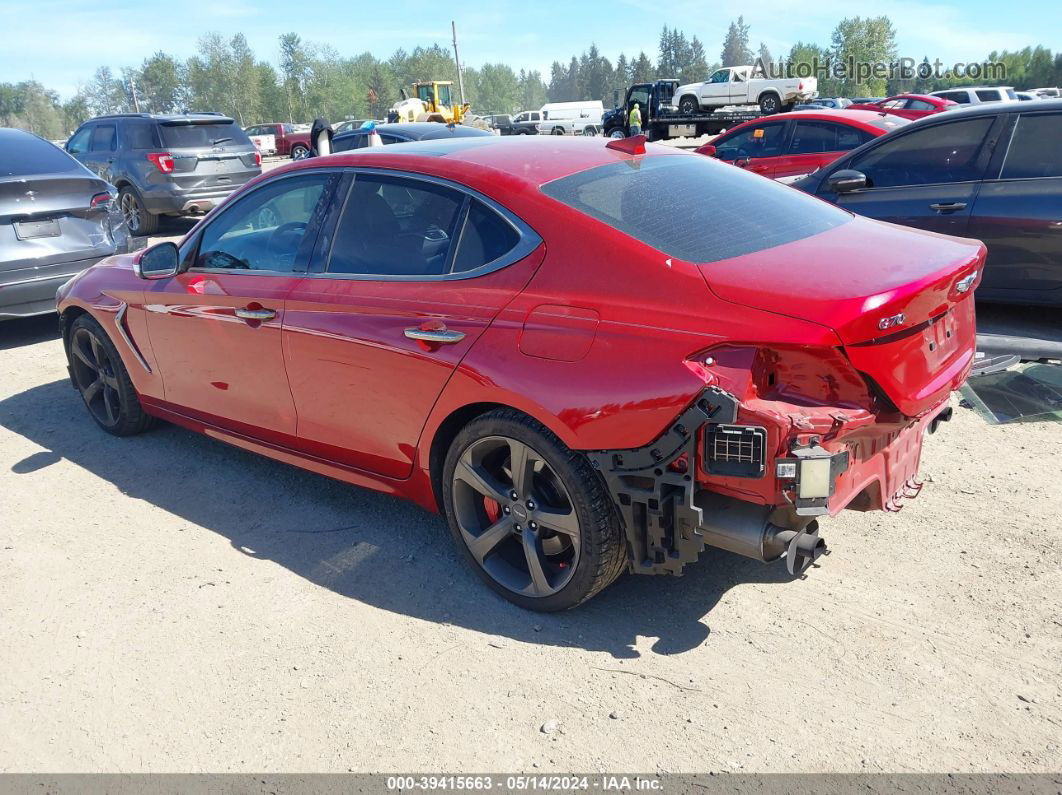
56,219
403,132
991,172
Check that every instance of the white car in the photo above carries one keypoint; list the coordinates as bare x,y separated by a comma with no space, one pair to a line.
738,85
977,95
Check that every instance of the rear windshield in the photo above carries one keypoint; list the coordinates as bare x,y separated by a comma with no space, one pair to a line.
23,154
889,122
695,208
211,134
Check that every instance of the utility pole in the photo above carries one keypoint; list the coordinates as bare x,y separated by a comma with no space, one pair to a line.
132,88
457,58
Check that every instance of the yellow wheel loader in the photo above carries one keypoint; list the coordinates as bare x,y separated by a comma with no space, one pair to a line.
433,101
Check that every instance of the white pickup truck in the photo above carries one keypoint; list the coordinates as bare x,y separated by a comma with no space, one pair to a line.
738,85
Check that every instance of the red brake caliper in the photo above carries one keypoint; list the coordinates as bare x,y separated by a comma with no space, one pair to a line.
493,509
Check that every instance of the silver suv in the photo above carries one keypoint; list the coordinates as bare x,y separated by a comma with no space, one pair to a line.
978,95
166,165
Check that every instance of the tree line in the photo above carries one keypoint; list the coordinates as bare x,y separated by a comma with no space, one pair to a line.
309,79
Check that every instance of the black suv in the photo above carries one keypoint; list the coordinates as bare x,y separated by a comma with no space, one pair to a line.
166,165
991,172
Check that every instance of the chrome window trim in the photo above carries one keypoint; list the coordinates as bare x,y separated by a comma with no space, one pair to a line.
207,223
527,239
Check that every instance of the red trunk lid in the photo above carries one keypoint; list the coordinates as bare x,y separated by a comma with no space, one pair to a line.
893,295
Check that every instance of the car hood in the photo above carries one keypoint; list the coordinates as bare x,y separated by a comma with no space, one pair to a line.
887,291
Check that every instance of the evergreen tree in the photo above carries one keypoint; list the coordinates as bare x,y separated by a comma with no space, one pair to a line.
736,50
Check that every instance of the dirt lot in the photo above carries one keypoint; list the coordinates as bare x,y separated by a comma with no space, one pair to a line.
168,603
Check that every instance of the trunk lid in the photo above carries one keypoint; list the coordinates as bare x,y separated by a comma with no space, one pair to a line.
900,300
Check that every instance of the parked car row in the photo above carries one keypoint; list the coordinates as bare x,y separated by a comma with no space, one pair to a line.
991,171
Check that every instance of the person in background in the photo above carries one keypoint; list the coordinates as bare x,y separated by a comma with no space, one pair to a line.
635,120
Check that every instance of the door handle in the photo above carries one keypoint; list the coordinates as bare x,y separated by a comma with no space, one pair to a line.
948,207
440,336
256,314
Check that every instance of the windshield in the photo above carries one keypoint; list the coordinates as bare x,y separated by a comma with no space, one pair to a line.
695,208
202,135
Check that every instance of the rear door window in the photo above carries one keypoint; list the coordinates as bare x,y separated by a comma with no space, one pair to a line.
919,104
141,135
989,95
394,226
942,153
816,137
347,142
103,138
695,208
1034,148
956,96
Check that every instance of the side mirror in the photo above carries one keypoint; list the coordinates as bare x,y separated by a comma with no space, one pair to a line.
161,261
846,180
707,149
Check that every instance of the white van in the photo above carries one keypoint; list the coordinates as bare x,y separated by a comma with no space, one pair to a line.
571,118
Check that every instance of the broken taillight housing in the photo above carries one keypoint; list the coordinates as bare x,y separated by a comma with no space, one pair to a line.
163,161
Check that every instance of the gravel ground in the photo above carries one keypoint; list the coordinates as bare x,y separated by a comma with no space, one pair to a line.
171,604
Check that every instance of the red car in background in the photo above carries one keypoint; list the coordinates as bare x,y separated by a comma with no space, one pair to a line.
907,106
288,141
592,358
788,146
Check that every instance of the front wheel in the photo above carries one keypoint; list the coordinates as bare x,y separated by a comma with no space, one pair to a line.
617,133
532,517
103,381
688,105
558,131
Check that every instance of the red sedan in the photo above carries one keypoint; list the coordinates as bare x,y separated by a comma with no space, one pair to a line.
592,358
907,106
788,146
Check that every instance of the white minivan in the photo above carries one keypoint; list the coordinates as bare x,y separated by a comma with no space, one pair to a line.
977,95
571,118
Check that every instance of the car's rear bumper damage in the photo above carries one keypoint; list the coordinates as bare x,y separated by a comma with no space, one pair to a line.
670,513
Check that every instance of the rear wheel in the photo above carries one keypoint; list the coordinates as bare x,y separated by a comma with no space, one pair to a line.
769,104
558,131
298,152
530,515
137,219
103,381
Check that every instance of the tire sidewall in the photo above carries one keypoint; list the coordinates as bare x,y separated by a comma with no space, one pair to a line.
581,584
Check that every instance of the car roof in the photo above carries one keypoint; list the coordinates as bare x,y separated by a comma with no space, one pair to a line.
217,118
994,109
424,130
530,160
852,118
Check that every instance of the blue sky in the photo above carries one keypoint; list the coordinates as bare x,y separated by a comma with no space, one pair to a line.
61,42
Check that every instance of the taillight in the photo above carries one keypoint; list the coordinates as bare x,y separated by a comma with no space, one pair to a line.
99,200
257,158
800,87
163,161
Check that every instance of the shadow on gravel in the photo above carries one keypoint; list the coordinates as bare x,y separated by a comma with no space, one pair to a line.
367,546
28,331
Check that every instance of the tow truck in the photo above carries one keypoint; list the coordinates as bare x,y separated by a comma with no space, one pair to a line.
660,118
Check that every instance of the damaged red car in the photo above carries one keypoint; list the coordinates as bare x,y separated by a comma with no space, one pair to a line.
592,358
